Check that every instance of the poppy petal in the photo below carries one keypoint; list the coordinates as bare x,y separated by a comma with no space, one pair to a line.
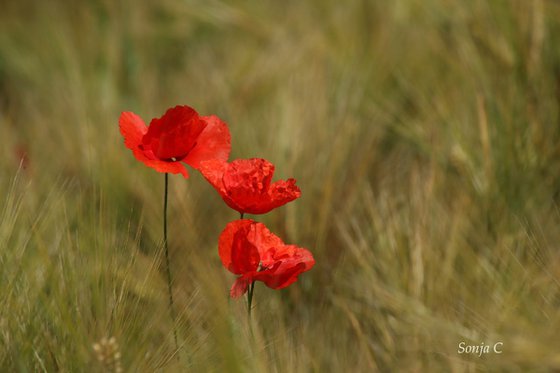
162,166
283,191
245,184
264,240
290,265
246,178
175,134
226,242
244,255
280,278
212,143
132,128
244,243
213,171
249,249
239,287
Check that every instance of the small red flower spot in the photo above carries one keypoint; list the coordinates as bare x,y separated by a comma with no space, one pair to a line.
180,135
22,155
249,249
245,184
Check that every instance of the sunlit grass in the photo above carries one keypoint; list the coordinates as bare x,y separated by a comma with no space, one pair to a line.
423,134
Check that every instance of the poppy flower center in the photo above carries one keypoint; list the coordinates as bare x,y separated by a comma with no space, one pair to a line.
177,158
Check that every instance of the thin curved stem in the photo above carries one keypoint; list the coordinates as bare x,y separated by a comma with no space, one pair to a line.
168,267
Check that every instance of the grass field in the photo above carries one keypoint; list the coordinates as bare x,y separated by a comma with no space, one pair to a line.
424,134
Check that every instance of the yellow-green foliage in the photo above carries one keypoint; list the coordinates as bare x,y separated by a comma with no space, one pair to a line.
424,134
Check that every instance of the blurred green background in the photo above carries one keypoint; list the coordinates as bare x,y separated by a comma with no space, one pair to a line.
424,134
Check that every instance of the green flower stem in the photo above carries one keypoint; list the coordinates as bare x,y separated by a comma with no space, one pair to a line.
250,298
168,268
251,287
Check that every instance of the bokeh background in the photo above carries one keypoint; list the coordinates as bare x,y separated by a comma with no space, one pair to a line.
424,134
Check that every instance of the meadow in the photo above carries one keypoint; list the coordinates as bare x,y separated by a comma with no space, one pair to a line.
424,135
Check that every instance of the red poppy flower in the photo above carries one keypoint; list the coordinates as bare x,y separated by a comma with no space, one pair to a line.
180,135
249,249
244,184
